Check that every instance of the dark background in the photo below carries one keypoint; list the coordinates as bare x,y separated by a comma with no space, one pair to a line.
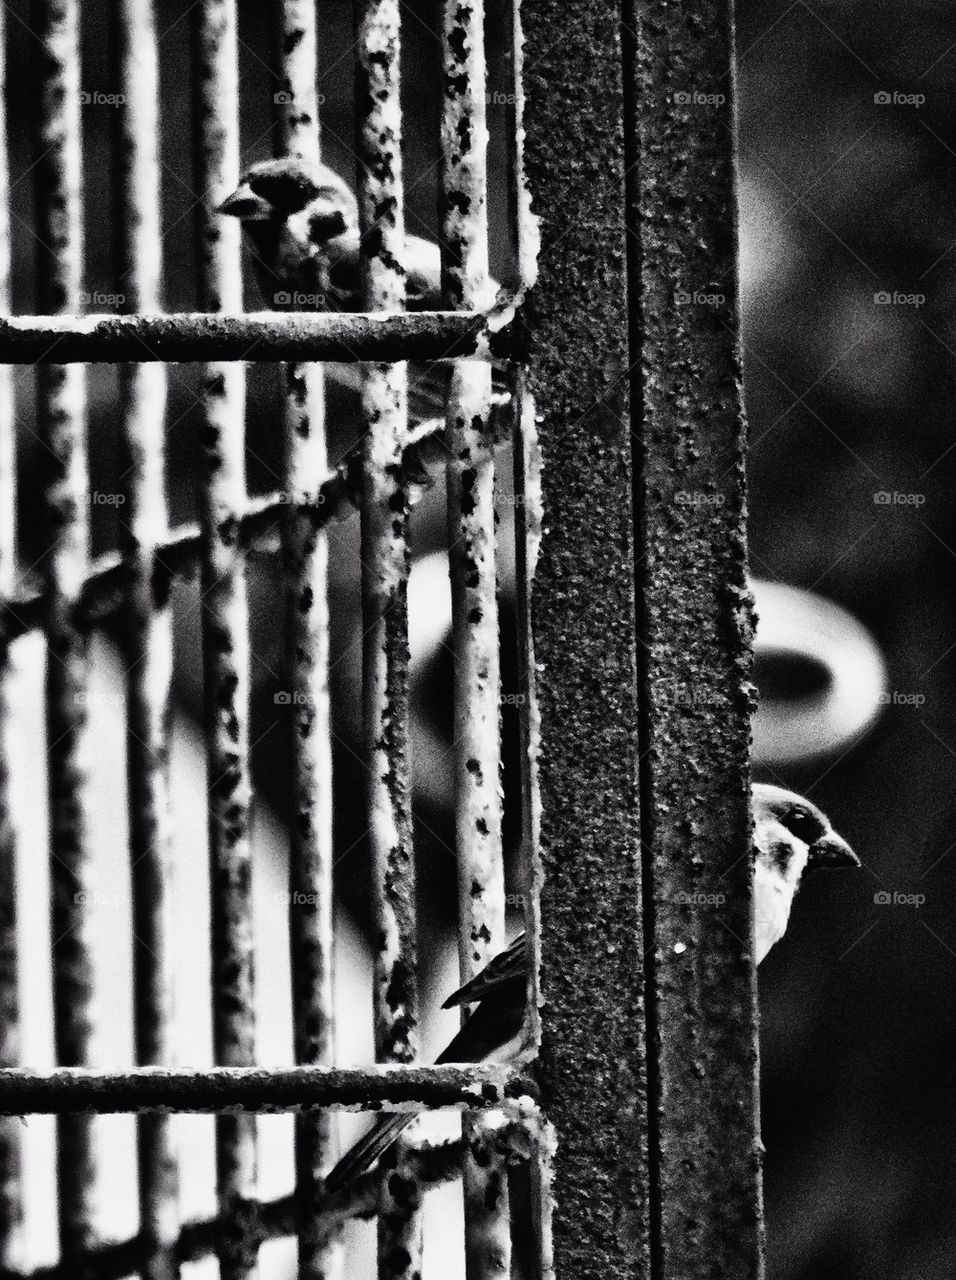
842,196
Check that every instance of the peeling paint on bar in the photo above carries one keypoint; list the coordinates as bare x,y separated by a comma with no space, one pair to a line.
268,335
225,628
148,639
466,285
61,418
305,555
336,498
591,1062
695,627
432,1166
11,1199
385,565
389,1086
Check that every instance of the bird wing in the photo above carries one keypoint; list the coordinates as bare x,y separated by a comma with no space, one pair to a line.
361,1157
509,966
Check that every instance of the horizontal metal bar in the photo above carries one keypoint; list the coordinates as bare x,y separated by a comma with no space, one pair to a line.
396,1087
103,591
266,335
431,1165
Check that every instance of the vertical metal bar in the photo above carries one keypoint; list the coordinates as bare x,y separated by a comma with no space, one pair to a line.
583,600
307,657
11,1206
385,563
696,625
226,632
61,419
148,619
471,540
527,489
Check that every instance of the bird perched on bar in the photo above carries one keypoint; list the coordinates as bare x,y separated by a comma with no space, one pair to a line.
790,836
301,222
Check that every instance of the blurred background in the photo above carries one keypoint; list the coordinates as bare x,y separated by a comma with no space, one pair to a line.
847,150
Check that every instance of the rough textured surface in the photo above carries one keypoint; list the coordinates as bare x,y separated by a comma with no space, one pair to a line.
11,1207
386,560
305,560
147,620
61,424
225,629
260,1089
424,335
694,657
591,1065
466,286
336,497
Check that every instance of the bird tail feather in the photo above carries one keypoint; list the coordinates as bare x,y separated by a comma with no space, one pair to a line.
362,1156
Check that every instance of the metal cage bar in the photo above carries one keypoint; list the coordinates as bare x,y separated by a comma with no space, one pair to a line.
148,636
695,627
11,1206
424,335
61,418
385,565
471,553
225,632
307,657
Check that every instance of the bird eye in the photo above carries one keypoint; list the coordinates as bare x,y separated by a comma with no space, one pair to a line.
803,825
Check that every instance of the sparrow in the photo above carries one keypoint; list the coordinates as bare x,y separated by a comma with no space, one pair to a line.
302,225
790,836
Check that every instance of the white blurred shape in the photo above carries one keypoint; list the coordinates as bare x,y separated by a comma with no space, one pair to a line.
800,625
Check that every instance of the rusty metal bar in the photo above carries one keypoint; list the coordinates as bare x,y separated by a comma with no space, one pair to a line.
148,638
305,553
188,337
193,1089
471,541
11,1204
695,625
334,499
385,564
582,604
226,629
61,420
432,1165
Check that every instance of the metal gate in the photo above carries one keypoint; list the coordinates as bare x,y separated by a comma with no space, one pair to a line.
635,1105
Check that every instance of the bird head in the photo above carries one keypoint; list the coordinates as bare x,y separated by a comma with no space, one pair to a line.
793,835
276,190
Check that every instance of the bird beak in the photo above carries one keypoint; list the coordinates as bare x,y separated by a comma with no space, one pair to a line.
831,851
245,205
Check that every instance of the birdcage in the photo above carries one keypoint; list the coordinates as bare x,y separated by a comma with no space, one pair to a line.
622,1139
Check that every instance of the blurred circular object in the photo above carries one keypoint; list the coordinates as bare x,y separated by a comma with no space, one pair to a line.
821,676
